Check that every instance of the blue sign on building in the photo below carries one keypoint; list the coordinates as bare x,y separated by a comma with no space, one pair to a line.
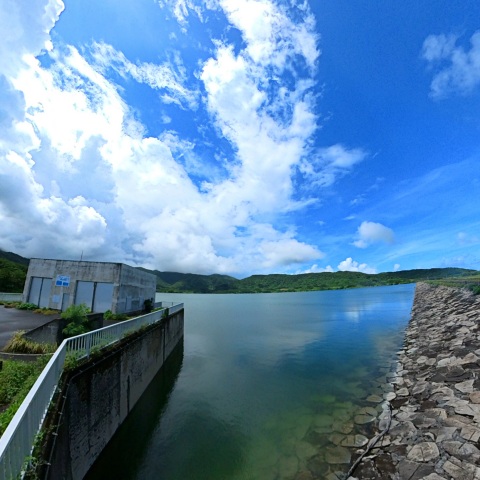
62,281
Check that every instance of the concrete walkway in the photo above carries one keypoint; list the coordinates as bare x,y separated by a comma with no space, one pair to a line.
12,320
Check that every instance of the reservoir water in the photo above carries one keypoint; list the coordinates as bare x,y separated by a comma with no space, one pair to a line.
264,387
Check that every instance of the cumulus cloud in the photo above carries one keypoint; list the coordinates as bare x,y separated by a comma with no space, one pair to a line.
317,269
457,70
371,232
350,265
80,173
92,181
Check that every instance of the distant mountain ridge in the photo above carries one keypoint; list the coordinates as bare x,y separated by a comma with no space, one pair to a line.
13,269
192,283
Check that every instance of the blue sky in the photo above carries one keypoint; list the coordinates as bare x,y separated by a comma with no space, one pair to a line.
242,136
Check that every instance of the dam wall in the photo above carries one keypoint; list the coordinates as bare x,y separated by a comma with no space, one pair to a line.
435,408
98,396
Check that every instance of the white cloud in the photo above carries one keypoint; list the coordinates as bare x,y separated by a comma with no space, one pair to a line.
350,265
92,181
287,252
25,30
169,76
329,163
271,36
456,70
371,232
181,9
90,177
396,267
316,269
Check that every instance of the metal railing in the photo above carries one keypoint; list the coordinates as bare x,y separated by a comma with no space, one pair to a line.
16,443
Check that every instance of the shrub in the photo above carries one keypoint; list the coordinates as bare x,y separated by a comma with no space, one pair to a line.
118,317
148,305
16,380
77,320
27,306
475,289
20,344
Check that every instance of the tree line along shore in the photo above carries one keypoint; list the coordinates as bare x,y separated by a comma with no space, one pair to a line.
13,271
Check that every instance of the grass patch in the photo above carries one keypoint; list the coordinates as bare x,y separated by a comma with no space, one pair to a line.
19,344
16,380
46,311
471,283
117,317
8,304
27,306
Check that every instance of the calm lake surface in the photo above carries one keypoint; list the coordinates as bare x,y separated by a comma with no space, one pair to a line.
260,385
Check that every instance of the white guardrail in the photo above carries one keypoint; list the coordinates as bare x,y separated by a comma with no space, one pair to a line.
16,443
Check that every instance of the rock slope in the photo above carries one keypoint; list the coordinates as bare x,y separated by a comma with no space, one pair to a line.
435,423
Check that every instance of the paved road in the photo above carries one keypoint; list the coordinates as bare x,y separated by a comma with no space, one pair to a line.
12,320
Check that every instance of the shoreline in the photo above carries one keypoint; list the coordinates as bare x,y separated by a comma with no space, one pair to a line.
435,426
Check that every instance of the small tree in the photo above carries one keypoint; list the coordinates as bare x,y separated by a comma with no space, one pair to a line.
76,315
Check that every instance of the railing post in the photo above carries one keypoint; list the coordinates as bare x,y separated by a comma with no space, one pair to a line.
88,345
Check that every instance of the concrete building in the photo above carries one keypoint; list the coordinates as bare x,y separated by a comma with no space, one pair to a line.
101,286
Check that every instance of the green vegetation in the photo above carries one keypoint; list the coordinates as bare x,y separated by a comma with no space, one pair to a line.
20,344
8,304
27,306
12,276
16,379
117,317
46,311
76,315
189,283
471,282
173,282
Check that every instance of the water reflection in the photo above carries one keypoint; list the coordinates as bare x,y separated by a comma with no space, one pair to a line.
133,438
272,385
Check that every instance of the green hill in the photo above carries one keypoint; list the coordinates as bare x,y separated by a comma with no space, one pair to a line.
194,283
184,282
13,271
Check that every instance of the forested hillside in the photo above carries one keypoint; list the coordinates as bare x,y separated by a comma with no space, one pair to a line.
178,282
12,275
13,270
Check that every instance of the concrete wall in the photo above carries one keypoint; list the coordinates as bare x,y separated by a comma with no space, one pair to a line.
131,286
51,332
11,297
99,397
133,289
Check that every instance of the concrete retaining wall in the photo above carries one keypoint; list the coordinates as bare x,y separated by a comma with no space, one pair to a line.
11,297
51,332
100,396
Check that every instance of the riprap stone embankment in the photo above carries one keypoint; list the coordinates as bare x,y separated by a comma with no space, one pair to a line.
435,429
